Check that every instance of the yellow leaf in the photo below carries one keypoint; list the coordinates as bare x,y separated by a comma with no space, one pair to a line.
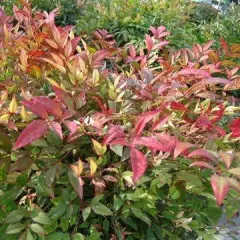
78,168
53,82
229,63
4,96
4,118
25,116
93,167
95,77
99,148
13,105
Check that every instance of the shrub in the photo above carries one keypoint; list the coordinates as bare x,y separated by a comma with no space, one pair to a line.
204,12
101,142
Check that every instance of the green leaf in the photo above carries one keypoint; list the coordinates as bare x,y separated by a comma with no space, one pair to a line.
37,228
101,209
42,218
118,149
97,198
55,236
5,141
177,190
117,204
150,235
50,176
58,211
106,225
15,216
78,236
85,213
64,224
139,214
26,235
15,228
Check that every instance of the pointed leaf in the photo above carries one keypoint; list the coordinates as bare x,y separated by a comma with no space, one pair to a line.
203,153
36,108
101,209
143,120
220,187
139,214
15,228
227,158
235,171
93,167
50,105
37,229
42,218
235,128
32,132
139,164
202,164
56,127
180,148
234,184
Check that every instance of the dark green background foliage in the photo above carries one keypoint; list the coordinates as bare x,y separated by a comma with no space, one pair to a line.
129,20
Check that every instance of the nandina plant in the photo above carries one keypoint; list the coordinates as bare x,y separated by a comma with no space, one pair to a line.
100,142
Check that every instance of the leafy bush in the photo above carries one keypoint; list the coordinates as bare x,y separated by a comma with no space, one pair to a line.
203,12
226,26
69,10
101,142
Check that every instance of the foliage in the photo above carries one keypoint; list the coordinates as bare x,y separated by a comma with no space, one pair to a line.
203,12
226,26
69,9
129,21
107,142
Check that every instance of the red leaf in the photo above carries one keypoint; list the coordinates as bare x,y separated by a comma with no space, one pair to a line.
193,71
180,148
11,125
202,153
101,106
224,46
203,121
72,126
215,80
50,105
64,97
56,127
139,164
75,42
114,132
235,128
143,120
178,106
202,164
164,142
119,141
149,142
207,45
227,158
219,114
32,132
220,187
132,52
158,124
149,43
220,130
36,108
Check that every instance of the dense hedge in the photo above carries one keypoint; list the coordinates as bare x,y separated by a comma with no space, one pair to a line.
189,22
99,141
